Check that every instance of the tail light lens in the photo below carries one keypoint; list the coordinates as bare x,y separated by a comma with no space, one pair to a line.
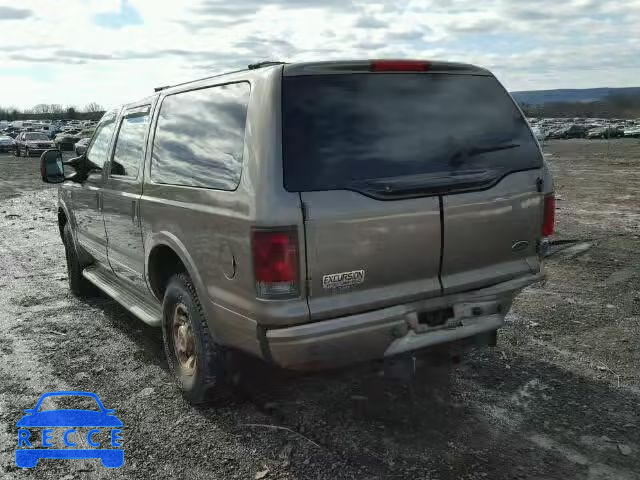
275,263
548,224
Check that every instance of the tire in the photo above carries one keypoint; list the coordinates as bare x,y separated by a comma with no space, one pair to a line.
196,361
79,286
27,153
16,152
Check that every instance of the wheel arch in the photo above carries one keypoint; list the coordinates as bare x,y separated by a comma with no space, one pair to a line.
168,256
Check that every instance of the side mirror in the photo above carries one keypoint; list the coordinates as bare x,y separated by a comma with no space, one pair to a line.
51,166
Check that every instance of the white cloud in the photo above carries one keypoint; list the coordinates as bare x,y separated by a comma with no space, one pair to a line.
112,51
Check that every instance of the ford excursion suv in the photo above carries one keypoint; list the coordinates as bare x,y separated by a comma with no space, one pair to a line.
311,214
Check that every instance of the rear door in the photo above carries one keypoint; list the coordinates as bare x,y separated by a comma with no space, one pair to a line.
366,248
491,233
412,184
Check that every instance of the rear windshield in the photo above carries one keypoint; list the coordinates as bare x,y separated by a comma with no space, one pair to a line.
436,131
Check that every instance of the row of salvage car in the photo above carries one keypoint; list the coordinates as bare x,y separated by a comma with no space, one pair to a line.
591,128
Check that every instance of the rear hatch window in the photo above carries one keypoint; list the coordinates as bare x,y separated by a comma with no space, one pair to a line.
394,135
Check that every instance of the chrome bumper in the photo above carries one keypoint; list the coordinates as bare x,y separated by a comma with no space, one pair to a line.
392,330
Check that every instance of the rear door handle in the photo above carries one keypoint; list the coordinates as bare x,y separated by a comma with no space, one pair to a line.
134,210
99,200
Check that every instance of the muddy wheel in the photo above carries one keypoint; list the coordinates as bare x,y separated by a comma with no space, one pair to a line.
197,362
79,286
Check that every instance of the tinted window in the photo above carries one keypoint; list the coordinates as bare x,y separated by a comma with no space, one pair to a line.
341,131
97,152
199,138
129,148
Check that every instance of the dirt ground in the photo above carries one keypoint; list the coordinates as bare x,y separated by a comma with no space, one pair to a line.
558,398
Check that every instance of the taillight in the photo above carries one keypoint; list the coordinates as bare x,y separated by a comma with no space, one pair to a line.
399,66
548,224
275,263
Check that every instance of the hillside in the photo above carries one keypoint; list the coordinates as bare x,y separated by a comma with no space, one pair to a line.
572,95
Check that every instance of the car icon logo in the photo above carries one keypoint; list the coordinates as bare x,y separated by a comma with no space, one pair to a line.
27,454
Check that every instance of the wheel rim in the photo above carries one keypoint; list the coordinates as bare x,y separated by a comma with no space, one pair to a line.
183,341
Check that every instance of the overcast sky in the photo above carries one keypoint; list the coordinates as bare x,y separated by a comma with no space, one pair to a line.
114,51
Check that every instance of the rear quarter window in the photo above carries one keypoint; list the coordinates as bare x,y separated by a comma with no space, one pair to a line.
199,137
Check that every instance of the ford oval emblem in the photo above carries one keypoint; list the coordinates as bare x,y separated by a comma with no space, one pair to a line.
519,246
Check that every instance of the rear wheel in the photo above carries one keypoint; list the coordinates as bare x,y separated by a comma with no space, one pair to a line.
197,362
79,286
16,152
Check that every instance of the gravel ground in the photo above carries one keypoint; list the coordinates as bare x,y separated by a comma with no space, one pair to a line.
558,398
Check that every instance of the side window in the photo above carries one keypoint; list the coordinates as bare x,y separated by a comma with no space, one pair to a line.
129,149
97,151
199,138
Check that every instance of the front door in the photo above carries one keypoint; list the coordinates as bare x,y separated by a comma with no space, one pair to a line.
122,195
87,196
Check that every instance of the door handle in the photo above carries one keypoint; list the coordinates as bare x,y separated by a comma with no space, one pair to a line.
99,201
133,211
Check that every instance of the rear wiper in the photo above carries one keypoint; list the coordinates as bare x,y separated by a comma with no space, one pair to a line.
426,184
479,150
492,148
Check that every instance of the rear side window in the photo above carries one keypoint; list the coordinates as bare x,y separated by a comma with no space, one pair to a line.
199,138
438,130
129,149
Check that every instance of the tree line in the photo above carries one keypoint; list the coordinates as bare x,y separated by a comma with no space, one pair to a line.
612,106
53,111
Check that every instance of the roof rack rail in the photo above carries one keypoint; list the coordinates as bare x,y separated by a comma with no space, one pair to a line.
157,89
266,63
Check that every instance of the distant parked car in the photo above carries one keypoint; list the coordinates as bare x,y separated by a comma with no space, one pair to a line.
632,132
7,144
568,131
28,143
605,132
81,145
66,140
576,131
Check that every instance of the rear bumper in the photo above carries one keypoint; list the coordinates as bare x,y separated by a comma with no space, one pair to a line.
391,331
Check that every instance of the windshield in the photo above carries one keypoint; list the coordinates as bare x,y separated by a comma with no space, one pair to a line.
341,130
36,136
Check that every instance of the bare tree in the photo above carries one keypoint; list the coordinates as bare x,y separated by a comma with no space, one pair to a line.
93,107
71,112
40,108
55,108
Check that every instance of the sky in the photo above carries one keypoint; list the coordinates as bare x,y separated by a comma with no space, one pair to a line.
74,52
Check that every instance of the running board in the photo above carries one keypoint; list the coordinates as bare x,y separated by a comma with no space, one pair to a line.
147,311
